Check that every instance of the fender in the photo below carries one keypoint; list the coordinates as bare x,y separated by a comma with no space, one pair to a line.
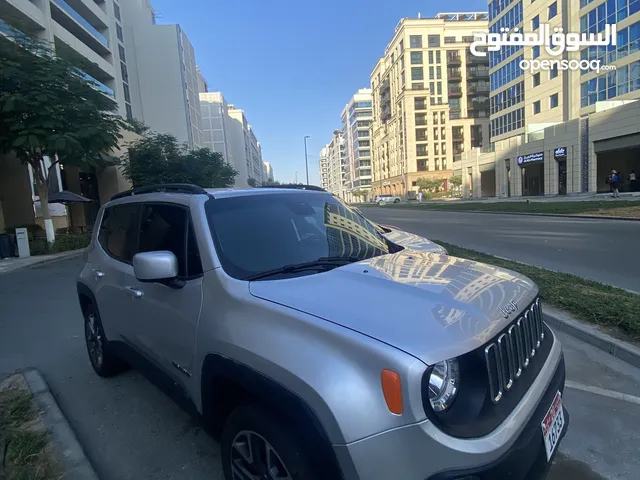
85,296
227,384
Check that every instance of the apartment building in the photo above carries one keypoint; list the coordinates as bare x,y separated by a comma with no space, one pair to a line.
333,165
551,128
245,146
356,124
430,101
164,72
268,171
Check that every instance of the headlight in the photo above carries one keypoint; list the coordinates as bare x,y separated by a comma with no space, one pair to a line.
443,385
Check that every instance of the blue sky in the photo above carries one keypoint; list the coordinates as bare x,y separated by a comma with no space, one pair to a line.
293,65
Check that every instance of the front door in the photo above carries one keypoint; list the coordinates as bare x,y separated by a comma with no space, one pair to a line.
562,177
166,316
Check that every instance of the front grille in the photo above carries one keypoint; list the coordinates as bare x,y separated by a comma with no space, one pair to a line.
512,352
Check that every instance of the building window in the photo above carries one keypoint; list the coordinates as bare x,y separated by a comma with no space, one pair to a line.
421,134
431,73
402,45
121,52
553,10
439,73
129,111
415,41
417,86
449,39
123,69
536,107
417,73
535,23
438,57
127,93
416,58
116,11
419,103
430,56
553,73
536,79
553,100
433,41
421,150
421,119
536,51
119,33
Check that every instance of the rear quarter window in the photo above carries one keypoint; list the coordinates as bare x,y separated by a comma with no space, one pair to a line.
118,234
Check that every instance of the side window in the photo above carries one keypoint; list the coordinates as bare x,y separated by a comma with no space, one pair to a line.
165,227
118,232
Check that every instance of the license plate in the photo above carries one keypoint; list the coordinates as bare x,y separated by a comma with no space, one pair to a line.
552,425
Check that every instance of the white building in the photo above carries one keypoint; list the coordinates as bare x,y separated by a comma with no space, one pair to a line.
333,165
216,129
356,122
164,72
268,171
245,145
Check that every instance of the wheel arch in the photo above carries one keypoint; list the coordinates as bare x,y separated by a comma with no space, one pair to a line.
227,384
85,296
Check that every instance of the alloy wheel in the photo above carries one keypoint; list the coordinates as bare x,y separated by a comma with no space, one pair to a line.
93,335
254,458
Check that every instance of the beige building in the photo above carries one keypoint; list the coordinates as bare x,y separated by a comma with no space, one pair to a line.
430,101
558,131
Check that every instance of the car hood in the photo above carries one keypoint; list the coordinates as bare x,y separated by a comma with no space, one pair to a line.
413,241
429,305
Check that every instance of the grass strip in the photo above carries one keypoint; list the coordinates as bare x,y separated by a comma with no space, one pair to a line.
587,300
27,455
563,208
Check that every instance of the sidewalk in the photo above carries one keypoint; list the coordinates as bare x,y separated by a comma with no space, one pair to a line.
12,264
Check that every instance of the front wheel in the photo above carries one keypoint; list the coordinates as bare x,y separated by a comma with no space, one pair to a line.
257,444
397,200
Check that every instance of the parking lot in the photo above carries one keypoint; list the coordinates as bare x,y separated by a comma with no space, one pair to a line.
130,430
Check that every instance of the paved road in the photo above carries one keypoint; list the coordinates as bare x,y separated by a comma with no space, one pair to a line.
132,431
603,250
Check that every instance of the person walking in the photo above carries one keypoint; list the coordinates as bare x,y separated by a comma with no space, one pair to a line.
615,183
632,181
420,196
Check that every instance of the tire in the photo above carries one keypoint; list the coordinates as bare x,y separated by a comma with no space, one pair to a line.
264,426
104,362
397,200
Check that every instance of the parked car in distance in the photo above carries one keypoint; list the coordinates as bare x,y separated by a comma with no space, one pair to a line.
386,198
317,345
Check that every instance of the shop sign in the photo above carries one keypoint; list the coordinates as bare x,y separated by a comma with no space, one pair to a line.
560,153
530,158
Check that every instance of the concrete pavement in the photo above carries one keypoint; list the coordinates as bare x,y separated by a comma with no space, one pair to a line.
602,250
130,430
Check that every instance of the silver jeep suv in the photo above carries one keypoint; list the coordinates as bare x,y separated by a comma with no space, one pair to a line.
315,344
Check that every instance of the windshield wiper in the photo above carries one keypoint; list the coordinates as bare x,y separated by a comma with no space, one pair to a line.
322,263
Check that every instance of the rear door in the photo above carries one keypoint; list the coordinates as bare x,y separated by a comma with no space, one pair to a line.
118,243
166,319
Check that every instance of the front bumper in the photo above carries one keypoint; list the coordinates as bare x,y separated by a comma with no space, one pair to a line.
526,459
514,451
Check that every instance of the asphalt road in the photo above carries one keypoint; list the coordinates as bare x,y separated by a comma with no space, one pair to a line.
130,430
603,250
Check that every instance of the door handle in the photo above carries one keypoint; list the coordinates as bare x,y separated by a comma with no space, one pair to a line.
98,273
134,292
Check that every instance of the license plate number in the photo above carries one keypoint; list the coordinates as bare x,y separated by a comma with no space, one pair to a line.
552,425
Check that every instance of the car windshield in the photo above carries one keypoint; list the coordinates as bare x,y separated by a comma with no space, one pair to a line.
264,232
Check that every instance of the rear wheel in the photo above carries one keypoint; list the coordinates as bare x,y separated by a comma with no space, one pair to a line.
397,200
257,444
103,360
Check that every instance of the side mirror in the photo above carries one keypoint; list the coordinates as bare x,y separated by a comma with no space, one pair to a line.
159,266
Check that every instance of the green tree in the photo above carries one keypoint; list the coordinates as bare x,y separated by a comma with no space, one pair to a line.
429,184
50,110
252,182
456,180
272,182
137,126
159,158
359,194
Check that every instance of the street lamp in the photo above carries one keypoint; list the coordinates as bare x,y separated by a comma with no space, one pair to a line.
306,159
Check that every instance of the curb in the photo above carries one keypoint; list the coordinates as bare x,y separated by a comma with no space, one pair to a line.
72,457
561,215
591,335
44,261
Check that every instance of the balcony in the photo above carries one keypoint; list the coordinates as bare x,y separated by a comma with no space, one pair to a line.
68,18
473,60
68,46
454,59
478,88
21,14
457,136
455,91
481,105
454,74
478,72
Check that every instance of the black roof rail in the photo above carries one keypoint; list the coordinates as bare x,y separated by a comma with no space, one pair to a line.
296,186
167,187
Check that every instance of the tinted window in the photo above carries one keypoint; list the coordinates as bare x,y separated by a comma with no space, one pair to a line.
257,233
165,227
118,232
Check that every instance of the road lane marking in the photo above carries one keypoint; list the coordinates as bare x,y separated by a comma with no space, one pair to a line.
604,392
